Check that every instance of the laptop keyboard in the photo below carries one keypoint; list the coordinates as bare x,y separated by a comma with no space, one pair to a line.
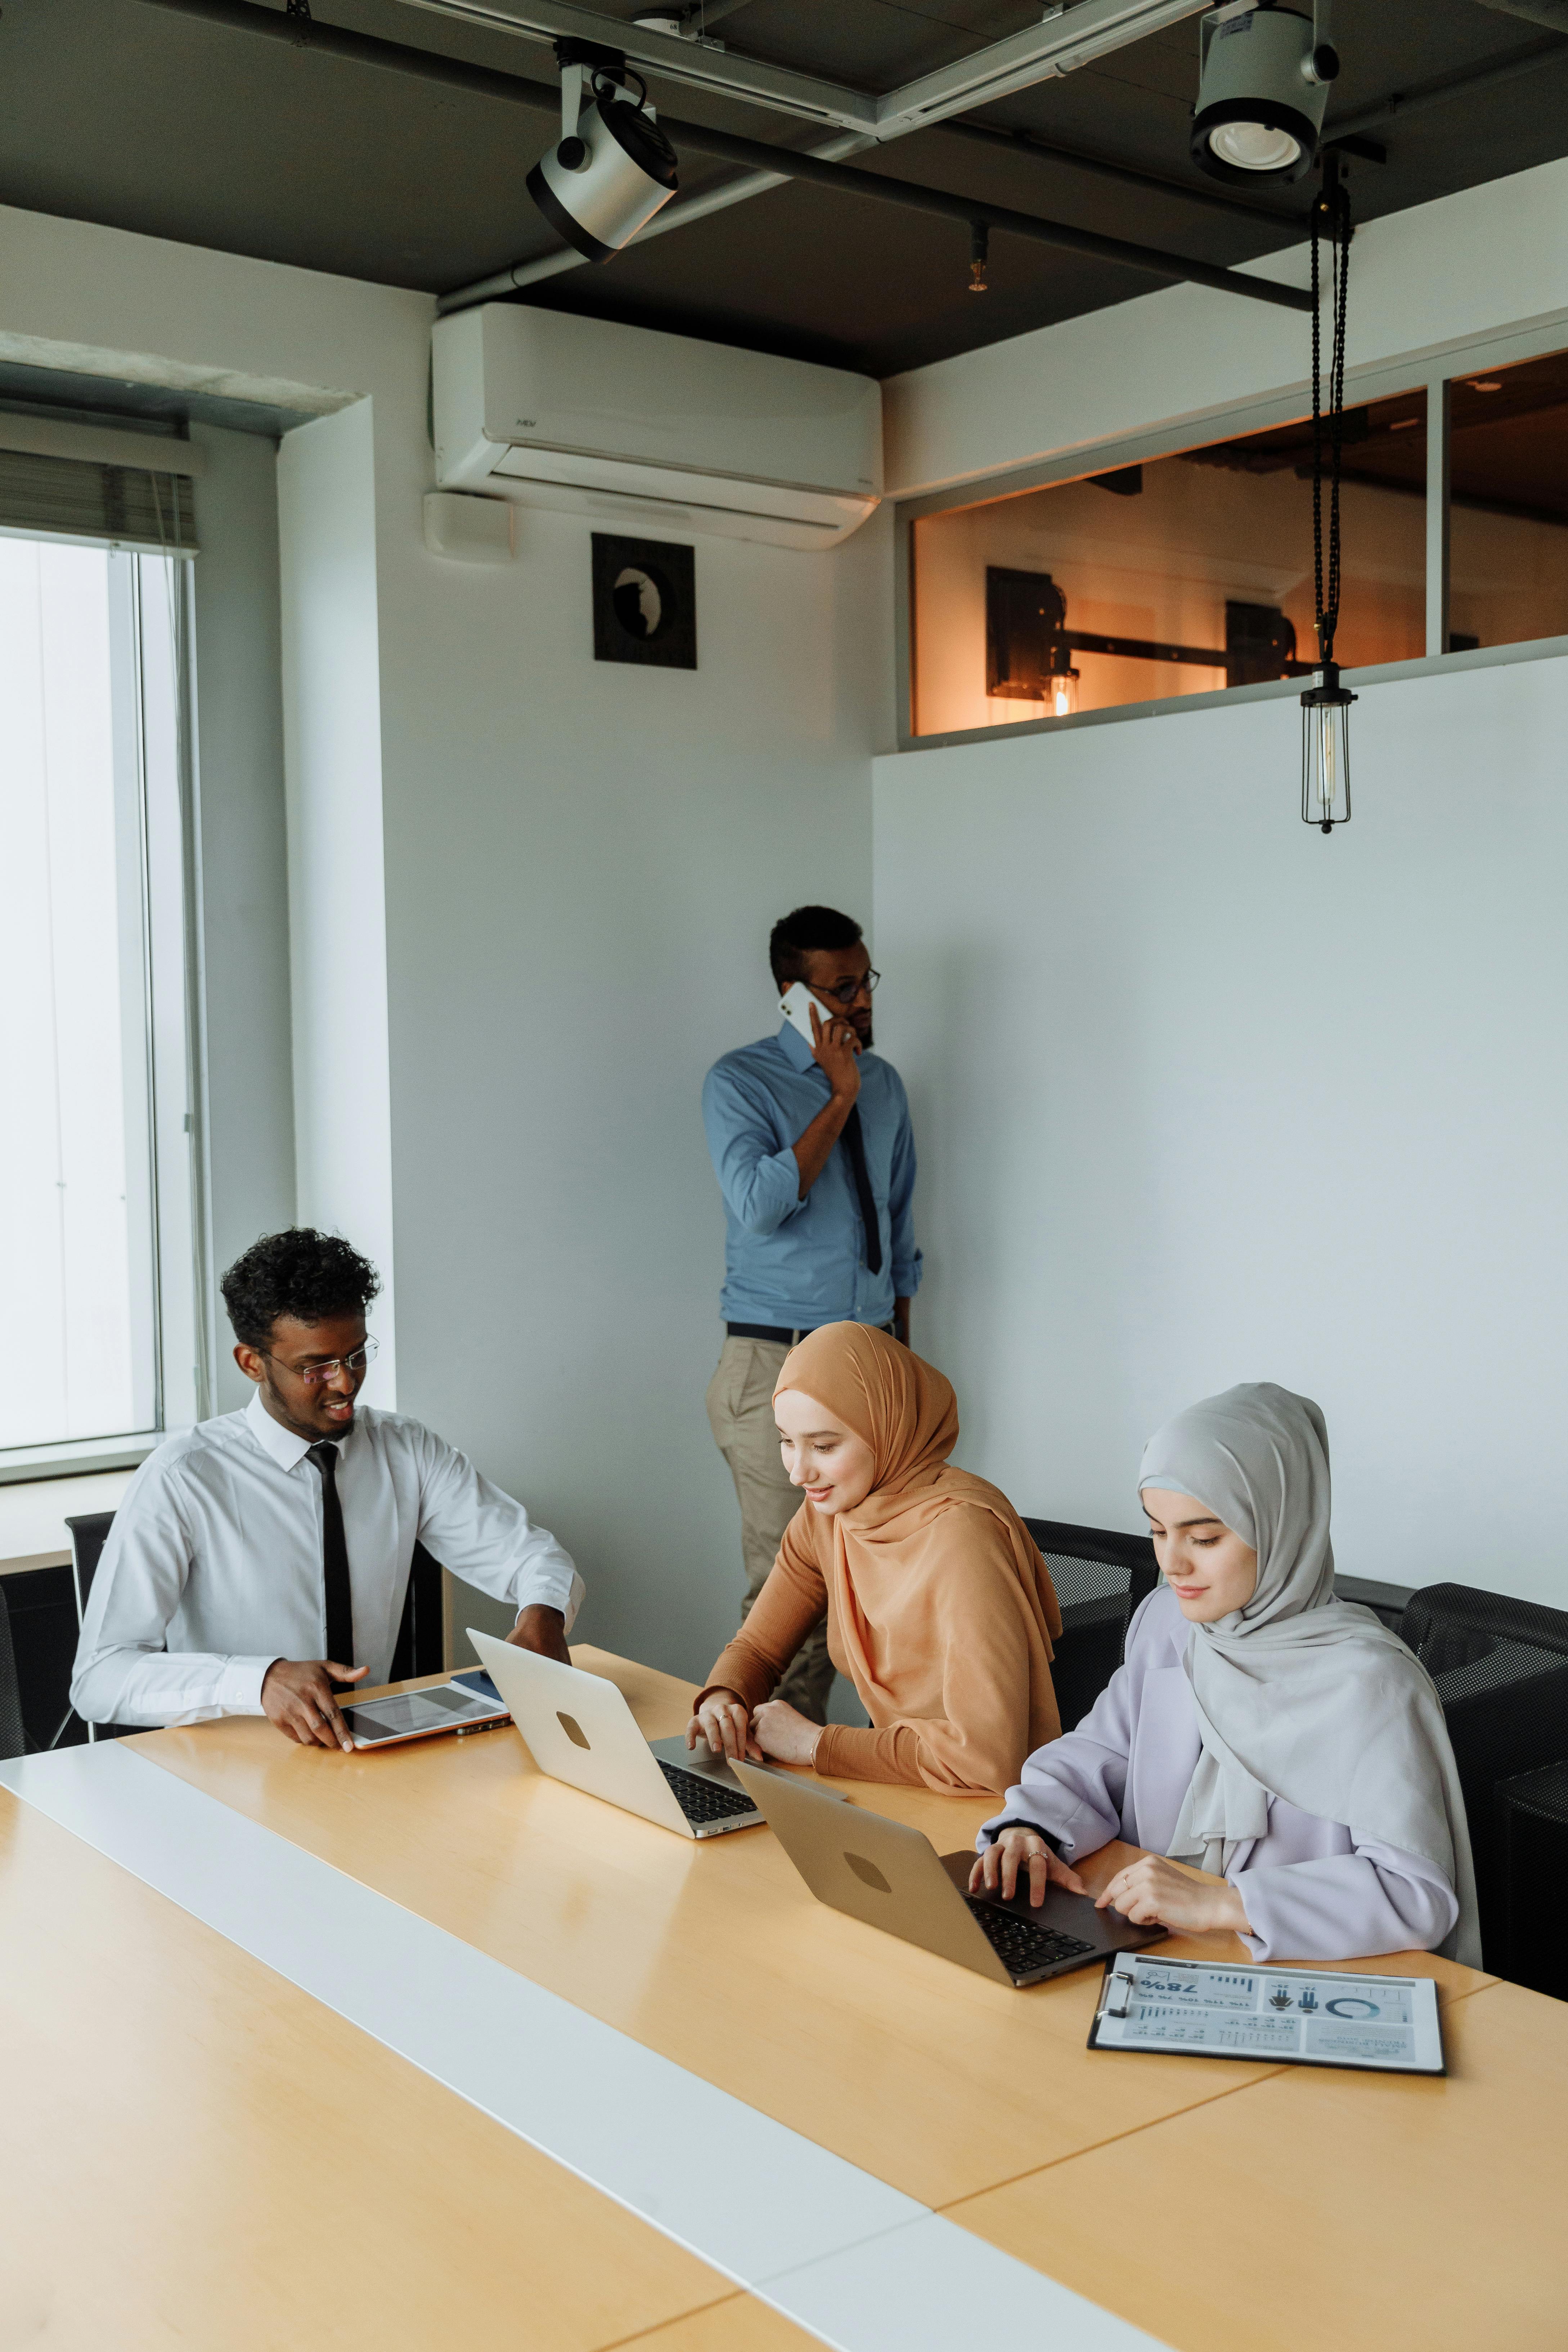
1020,1945
702,1800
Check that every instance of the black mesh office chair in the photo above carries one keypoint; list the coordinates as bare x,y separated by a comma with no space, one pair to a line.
13,1739
1501,1671
1101,1577
89,1533
1532,1834
421,1647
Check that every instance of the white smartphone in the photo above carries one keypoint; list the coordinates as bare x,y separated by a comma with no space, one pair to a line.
796,1004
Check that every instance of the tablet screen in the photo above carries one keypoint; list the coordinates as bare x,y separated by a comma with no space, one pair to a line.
411,1712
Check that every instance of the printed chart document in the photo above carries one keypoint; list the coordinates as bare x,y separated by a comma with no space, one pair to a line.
1304,2016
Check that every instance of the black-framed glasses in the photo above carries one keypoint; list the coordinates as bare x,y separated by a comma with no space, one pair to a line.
315,1375
848,990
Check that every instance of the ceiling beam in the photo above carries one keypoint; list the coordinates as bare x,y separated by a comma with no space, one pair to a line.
1208,196
1443,88
885,187
674,56
1554,12
841,178
1067,38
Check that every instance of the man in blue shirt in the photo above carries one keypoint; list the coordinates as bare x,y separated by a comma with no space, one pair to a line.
814,1158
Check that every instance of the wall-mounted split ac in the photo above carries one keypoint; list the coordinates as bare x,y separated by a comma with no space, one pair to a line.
632,426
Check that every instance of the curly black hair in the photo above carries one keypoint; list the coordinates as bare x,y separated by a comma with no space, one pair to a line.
302,1273
796,935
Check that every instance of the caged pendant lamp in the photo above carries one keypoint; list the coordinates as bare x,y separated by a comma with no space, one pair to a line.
1326,705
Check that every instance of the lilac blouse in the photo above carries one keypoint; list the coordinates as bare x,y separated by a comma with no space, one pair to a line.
1311,1892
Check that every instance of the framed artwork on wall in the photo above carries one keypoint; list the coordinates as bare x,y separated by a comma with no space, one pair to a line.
644,602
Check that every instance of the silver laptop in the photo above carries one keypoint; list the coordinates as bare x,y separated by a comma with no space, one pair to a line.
892,1877
580,1729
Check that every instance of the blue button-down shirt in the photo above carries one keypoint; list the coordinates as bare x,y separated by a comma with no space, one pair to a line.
793,1263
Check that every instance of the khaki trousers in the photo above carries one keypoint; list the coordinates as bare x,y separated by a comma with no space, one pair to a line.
741,1414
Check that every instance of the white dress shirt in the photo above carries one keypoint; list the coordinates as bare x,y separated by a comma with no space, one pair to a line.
213,1568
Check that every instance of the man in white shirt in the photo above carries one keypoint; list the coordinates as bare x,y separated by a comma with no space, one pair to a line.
261,1558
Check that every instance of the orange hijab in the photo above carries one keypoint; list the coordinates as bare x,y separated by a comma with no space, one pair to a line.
884,1557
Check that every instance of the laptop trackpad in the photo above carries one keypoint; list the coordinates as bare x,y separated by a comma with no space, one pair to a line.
699,1759
1067,1914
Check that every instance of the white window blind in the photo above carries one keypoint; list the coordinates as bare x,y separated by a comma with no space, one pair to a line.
115,489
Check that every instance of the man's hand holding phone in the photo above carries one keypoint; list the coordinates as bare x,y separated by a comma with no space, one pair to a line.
835,1049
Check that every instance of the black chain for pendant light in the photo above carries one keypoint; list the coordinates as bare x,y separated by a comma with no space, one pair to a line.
1332,212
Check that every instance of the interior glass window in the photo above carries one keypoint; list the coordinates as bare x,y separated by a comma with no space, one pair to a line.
1508,504
1181,575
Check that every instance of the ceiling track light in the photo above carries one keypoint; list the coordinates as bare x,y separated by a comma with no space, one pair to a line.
1326,704
612,167
1263,87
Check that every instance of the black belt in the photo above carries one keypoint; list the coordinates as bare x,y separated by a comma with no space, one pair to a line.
780,1336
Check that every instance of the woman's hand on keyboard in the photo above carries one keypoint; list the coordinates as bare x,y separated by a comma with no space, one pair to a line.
1020,1854
721,1720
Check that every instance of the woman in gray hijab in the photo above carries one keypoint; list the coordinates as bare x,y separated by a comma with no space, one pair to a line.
1258,1728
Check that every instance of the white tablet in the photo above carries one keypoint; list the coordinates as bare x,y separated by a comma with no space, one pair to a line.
420,1715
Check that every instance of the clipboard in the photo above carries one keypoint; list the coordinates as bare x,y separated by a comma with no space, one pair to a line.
1280,2016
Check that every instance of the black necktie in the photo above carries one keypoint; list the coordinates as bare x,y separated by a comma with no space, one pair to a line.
335,1561
855,1145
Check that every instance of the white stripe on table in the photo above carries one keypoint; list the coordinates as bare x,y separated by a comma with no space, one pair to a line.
854,2262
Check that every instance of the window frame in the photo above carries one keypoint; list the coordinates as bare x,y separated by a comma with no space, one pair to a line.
169,983
1432,371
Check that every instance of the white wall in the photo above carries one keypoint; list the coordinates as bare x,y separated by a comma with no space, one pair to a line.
247,1077
583,866
337,882
580,864
1202,1097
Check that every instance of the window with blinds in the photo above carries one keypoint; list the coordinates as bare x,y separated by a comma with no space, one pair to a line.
76,497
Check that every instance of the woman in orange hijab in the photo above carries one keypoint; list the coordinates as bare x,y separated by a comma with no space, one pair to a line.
940,1609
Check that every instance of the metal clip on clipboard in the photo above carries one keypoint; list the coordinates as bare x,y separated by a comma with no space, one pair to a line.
1116,1997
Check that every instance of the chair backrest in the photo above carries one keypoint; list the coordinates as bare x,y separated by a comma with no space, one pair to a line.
1532,1829
422,1635
89,1531
1501,1668
1101,1577
13,1739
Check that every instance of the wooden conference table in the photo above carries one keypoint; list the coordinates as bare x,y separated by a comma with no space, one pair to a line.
198,2148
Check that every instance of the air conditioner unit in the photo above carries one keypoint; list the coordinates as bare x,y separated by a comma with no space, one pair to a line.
636,426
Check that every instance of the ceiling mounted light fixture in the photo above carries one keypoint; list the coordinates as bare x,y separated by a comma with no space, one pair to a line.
1326,705
1263,86
613,167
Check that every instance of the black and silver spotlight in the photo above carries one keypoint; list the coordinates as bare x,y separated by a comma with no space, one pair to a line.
1263,86
613,167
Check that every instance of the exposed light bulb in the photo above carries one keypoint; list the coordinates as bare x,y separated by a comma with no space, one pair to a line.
1326,751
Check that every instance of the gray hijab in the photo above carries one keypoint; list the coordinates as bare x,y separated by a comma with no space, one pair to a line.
1298,1694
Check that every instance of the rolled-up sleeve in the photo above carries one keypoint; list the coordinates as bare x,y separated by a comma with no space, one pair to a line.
907,1259
485,1536
760,1182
